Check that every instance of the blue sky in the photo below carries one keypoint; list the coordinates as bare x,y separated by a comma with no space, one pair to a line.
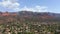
33,5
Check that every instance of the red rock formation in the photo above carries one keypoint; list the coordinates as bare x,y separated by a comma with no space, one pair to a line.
14,14
5,14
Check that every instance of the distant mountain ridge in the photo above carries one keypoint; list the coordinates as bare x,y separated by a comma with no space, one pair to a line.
30,13
29,16
39,13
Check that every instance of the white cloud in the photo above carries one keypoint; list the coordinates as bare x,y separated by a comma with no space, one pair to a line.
41,8
10,4
35,9
27,9
14,5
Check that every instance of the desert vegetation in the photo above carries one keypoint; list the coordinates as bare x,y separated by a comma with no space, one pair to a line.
25,22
